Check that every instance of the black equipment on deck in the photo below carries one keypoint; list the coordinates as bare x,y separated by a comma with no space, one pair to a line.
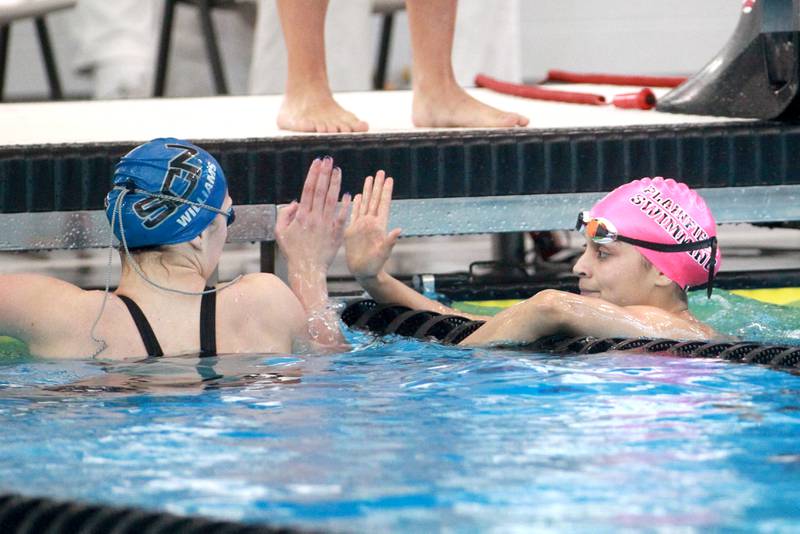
756,75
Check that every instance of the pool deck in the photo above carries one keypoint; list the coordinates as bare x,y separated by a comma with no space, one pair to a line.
253,117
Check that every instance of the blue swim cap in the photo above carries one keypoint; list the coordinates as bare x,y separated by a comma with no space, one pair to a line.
174,169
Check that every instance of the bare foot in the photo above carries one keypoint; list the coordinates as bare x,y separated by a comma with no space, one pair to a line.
454,108
317,113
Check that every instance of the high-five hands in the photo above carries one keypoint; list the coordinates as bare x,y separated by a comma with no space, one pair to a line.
367,244
310,232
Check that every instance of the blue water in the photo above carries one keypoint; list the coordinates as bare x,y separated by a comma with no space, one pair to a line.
400,435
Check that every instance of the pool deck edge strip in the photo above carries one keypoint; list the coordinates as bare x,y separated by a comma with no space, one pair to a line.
417,217
90,229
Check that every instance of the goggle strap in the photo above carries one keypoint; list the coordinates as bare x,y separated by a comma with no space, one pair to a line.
683,247
711,266
130,188
674,247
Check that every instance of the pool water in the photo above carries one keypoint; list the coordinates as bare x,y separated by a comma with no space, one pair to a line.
403,435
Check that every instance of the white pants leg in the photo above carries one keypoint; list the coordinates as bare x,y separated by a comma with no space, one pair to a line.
117,45
118,40
349,45
487,40
189,72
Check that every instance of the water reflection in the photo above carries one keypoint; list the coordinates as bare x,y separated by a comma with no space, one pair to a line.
175,375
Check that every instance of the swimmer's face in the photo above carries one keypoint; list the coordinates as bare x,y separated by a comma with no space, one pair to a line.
615,272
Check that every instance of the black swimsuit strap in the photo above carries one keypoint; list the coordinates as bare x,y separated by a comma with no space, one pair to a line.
149,339
208,324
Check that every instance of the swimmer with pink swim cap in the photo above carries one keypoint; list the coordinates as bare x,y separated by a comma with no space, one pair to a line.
668,223
646,243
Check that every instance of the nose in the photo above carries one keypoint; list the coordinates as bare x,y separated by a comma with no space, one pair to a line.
581,267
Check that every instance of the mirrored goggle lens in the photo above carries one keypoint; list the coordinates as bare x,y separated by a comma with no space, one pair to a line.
231,216
599,231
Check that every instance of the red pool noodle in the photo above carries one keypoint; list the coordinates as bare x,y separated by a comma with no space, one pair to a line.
614,79
538,93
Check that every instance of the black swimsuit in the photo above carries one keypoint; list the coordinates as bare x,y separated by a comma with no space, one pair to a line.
208,330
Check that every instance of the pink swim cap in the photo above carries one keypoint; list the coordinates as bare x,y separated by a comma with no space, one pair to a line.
664,211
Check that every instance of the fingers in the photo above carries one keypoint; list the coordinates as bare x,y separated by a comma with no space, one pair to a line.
341,215
386,201
356,211
286,215
323,182
307,197
322,187
332,197
391,238
366,195
344,208
375,196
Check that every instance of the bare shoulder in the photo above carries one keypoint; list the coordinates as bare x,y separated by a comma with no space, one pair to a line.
265,293
593,316
28,282
261,287
30,303
21,291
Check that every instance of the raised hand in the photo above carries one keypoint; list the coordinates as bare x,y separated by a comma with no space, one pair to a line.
310,232
367,244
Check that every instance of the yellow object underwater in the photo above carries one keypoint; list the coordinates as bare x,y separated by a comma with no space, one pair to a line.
782,296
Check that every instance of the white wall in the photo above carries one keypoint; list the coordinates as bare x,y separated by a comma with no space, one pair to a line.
619,36
622,36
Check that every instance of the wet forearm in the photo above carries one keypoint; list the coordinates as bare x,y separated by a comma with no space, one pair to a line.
539,316
311,288
387,289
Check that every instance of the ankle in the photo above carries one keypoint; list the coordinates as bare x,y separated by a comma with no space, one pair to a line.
307,86
430,83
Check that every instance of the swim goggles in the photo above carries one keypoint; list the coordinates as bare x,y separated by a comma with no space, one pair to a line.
602,231
230,215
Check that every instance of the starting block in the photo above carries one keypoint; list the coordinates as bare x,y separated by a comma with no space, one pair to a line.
756,73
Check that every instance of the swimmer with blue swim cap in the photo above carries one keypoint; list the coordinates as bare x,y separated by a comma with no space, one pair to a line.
647,242
170,209
165,192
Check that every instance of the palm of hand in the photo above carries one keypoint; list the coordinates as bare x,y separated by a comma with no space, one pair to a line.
310,232
310,238
366,246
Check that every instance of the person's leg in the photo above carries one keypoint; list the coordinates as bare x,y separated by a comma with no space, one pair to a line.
308,104
438,100
347,54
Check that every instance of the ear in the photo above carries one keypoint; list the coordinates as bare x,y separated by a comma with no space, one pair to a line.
198,243
661,280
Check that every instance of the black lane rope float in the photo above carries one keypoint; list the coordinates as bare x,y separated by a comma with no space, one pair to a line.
33,515
388,319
